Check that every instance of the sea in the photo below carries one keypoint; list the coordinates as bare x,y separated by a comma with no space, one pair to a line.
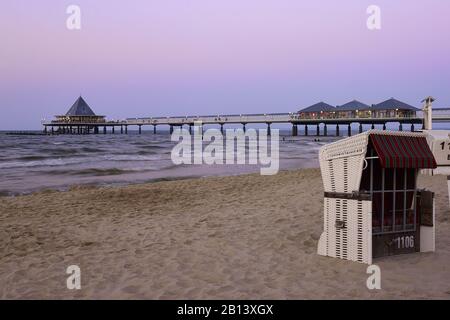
31,162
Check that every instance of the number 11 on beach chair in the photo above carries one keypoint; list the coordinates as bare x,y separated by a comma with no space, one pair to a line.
372,206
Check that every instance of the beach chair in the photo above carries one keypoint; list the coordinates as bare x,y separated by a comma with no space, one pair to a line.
372,206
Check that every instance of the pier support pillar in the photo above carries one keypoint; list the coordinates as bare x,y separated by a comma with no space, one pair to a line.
294,130
113,128
373,126
190,128
104,130
384,126
140,129
400,127
337,130
412,127
360,128
126,129
317,130
96,130
306,129
349,130
45,129
268,129
154,129
244,127
221,128
171,129
325,130
53,130
121,129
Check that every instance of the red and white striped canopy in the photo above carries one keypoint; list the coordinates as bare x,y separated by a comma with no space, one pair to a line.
403,151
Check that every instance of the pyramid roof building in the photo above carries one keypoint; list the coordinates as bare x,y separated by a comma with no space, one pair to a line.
80,108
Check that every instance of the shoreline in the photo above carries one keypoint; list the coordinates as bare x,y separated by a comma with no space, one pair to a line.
121,184
234,237
78,186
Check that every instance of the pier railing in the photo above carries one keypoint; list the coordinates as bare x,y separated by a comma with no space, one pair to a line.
261,118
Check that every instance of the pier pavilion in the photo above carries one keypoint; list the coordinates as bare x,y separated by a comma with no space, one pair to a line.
390,108
80,112
353,109
393,108
78,119
320,110
323,114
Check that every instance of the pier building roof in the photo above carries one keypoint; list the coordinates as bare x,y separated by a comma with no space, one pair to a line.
320,106
353,105
392,104
80,108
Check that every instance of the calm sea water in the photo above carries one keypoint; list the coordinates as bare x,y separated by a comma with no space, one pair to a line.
29,163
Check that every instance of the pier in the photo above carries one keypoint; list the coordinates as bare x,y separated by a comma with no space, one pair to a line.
81,120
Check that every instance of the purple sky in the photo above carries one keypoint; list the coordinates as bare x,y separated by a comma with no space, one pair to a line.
167,57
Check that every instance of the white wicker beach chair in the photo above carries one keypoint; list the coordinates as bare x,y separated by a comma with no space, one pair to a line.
357,181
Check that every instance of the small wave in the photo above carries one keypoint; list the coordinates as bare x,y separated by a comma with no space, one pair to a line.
145,153
59,152
147,146
31,158
126,157
90,150
37,163
101,172
91,172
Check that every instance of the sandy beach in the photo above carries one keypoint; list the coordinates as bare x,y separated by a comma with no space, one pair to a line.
238,237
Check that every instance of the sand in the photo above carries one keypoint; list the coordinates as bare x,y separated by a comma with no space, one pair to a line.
239,237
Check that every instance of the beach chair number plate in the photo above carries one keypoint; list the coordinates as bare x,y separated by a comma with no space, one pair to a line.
441,151
395,243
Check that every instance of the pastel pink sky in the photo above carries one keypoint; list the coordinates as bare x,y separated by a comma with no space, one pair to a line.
167,57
